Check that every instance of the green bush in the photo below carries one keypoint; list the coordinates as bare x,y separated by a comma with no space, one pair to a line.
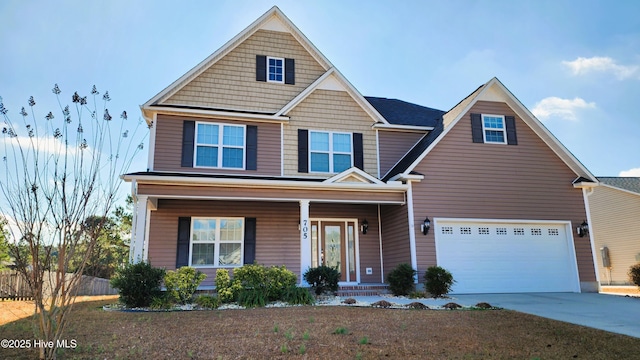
401,281
138,284
252,297
162,302
438,281
634,274
226,288
272,280
208,301
182,283
295,295
323,279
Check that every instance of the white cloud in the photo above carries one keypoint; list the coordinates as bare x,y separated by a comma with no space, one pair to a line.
562,108
582,66
631,172
44,144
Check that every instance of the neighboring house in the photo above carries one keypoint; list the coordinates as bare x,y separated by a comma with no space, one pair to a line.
265,152
614,206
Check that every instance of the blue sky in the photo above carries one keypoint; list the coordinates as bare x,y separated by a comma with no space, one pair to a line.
574,64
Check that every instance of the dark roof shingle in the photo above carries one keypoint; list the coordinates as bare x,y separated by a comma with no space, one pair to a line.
625,183
400,112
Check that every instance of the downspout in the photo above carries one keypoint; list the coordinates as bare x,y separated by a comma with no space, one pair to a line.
412,233
380,239
586,192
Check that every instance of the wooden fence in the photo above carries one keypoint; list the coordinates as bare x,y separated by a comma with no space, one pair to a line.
14,287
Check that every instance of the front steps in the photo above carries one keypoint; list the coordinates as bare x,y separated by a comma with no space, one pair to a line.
362,290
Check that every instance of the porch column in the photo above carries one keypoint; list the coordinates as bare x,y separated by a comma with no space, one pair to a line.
412,231
305,240
138,239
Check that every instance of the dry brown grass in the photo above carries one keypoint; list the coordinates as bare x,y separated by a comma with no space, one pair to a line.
326,333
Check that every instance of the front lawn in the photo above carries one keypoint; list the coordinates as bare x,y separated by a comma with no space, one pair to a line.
324,332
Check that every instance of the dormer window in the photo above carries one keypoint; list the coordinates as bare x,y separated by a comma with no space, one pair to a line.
275,69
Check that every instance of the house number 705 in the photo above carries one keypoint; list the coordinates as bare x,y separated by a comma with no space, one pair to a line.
305,229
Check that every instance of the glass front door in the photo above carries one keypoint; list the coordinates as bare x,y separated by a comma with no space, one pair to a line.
333,245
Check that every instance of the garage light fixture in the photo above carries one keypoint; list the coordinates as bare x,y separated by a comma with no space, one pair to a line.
583,229
425,226
364,227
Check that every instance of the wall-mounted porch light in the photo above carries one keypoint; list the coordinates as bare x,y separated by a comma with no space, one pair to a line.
425,226
583,229
364,227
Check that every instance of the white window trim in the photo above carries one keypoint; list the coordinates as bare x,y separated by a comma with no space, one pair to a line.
220,146
283,70
331,152
504,130
216,242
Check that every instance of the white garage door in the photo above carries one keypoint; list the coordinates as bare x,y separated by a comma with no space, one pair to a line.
487,256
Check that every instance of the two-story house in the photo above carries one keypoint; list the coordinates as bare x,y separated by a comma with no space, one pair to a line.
264,152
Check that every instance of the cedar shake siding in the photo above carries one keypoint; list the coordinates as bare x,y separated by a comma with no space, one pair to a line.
231,82
393,146
277,235
463,179
328,110
613,215
168,147
395,235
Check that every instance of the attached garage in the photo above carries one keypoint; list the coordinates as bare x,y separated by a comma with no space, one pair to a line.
507,256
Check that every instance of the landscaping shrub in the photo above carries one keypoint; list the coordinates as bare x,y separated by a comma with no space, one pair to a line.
401,281
162,302
272,280
138,284
297,296
182,283
252,297
634,274
227,290
438,281
323,279
208,301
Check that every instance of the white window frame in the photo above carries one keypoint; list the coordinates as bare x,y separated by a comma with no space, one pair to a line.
216,242
220,146
504,129
268,70
331,152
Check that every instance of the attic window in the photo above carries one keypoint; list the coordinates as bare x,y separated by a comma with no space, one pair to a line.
493,129
275,69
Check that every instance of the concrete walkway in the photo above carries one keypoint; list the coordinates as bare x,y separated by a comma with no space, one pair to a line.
612,313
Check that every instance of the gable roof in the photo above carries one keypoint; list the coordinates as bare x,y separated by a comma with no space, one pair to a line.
275,20
625,183
400,112
493,90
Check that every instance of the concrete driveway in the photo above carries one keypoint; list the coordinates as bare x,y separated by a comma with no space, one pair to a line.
612,313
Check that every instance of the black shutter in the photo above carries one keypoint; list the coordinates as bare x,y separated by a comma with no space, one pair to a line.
510,122
289,71
261,68
476,128
188,134
303,151
184,236
252,148
358,153
249,240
